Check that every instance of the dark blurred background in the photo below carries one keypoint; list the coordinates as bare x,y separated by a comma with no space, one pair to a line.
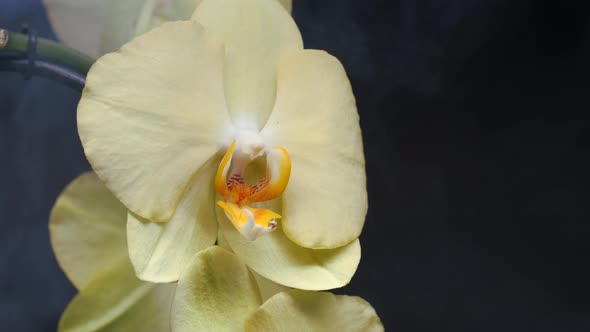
475,118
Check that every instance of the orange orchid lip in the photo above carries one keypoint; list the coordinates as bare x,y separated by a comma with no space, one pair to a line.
237,195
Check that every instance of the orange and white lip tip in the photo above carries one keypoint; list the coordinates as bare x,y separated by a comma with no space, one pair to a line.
237,195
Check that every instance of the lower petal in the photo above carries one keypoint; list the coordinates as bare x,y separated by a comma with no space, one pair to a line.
298,310
215,293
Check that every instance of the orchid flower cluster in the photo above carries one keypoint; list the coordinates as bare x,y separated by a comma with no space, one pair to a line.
229,182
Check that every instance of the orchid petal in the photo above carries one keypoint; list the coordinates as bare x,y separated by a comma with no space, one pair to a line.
87,230
276,258
119,302
298,310
160,251
215,293
93,27
96,27
152,114
316,120
257,34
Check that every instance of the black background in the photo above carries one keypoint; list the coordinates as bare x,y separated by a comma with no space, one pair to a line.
474,116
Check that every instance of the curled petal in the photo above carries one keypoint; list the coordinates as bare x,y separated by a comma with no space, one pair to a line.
221,175
278,172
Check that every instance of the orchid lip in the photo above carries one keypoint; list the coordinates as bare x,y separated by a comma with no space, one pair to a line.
238,195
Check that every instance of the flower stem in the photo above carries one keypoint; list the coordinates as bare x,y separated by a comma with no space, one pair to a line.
30,55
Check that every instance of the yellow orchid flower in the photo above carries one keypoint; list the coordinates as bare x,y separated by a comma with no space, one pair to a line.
217,292
96,27
180,123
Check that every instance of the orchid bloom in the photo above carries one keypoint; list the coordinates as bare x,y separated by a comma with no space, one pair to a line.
96,27
216,292
225,122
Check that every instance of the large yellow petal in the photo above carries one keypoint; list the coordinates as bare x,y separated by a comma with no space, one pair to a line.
118,301
298,310
215,293
152,114
276,258
87,230
160,251
316,120
257,34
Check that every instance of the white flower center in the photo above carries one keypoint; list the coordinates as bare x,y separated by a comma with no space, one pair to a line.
249,144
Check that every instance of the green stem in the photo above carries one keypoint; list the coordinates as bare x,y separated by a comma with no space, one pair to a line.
31,55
